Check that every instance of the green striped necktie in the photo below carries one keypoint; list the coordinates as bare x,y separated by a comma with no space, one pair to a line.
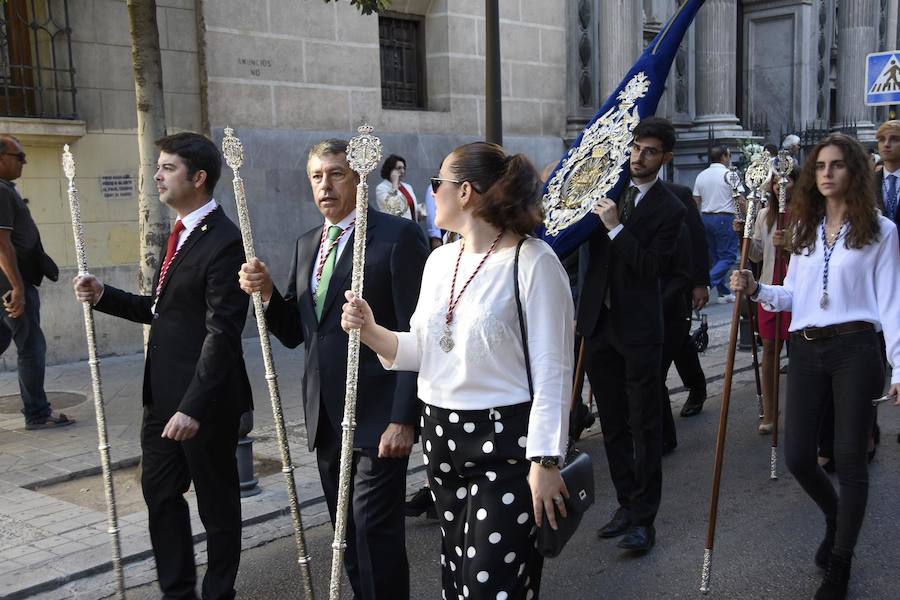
334,232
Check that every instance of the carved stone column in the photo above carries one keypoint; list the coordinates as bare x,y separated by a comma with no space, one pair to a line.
716,68
621,29
857,36
583,71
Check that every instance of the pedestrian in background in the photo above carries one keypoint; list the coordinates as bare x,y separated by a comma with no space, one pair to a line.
23,265
713,196
492,449
768,242
840,288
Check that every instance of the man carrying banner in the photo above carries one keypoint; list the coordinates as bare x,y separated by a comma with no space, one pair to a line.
620,317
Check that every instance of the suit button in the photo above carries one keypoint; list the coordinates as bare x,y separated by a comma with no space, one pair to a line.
321,337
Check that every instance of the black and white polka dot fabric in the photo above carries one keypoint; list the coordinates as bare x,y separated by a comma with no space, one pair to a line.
478,473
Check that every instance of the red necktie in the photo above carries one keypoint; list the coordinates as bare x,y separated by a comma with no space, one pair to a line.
171,248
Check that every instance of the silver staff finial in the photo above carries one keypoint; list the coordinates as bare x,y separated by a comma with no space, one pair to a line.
233,150
68,164
364,151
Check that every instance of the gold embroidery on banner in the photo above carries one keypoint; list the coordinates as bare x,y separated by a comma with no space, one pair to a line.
589,171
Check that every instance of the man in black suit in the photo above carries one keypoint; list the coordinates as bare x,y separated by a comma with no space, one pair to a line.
887,180
620,315
195,383
387,409
677,317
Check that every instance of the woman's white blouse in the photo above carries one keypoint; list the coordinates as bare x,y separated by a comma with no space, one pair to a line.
863,285
486,367
384,188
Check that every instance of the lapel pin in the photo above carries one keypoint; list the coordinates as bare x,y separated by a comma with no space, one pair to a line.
204,228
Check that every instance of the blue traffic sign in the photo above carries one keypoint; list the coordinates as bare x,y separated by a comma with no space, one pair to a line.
883,78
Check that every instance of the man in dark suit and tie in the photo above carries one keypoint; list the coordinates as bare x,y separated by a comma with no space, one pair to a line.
621,317
387,409
677,314
887,180
195,383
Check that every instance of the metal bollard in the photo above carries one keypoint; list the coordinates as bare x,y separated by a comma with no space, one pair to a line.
248,481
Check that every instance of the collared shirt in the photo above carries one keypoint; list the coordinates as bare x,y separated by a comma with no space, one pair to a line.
430,228
344,224
861,287
643,188
884,190
714,191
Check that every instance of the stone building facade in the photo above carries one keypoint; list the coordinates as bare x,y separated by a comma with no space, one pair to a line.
285,73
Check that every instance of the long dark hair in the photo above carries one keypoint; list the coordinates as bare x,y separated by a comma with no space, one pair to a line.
509,186
808,203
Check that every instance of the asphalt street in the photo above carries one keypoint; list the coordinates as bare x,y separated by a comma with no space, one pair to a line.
767,530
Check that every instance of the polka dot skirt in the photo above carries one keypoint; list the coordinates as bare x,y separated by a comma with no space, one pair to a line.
478,473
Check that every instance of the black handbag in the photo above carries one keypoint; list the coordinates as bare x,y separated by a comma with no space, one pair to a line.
578,472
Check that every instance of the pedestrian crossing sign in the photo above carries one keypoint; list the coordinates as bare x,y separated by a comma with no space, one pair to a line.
883,78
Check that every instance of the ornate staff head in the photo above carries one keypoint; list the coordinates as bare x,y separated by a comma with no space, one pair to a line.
68,164
782,165
233,150
757,175
364,152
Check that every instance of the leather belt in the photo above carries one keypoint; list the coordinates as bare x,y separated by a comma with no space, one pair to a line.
811,334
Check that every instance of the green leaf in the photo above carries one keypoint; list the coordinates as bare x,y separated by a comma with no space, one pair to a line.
367,7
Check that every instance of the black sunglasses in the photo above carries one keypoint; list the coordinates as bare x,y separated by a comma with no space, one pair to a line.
437,181
19,155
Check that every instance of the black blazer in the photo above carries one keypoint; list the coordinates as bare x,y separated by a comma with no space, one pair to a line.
879,189
630,266
697,243
195,361
396,250
676,284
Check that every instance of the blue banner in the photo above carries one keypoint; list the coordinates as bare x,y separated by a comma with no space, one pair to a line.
607,138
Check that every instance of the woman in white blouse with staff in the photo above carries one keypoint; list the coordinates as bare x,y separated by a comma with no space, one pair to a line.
492,450
841,288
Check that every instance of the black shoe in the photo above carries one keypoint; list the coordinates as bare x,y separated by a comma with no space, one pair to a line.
827,544
694,403
617,526
837,579
420,502
638,539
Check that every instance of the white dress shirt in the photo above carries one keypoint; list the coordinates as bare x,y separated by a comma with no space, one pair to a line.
344,224
486,367
862,285
714,192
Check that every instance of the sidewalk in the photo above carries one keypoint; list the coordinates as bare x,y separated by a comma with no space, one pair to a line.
46,542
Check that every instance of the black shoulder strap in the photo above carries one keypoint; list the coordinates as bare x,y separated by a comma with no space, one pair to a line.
522,317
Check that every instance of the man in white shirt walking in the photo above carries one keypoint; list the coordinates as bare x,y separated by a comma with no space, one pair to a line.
713,196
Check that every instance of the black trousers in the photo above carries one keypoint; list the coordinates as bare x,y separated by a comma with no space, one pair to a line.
168,468
849,369
478,473
375,557
687,363
677,329
626,382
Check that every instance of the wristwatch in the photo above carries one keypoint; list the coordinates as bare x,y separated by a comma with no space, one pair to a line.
546,462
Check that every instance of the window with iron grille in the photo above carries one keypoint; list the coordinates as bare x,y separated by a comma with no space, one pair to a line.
402,43
37,78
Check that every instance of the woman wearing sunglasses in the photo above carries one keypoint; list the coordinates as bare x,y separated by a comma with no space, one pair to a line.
840,288
492,449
